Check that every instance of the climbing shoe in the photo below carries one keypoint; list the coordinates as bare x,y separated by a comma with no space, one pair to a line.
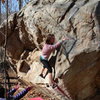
41,75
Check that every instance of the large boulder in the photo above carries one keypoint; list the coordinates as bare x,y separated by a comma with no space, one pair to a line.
76,62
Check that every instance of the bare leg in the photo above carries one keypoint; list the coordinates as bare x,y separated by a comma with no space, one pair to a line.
44,72
50,78
51,82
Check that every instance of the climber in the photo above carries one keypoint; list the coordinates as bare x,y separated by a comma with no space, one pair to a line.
12,91
46,51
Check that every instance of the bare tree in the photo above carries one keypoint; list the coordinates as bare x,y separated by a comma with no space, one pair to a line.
26,1
13,6
0,11
20,4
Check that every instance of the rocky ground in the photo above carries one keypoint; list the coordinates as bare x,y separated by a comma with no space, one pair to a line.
38,90
41,90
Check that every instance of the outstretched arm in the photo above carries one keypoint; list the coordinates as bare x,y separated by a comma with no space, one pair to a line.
12,91
53,47
22,93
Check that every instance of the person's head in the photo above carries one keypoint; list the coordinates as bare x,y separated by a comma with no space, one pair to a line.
2,92
50,39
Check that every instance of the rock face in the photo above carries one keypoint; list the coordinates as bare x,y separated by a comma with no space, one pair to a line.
77,62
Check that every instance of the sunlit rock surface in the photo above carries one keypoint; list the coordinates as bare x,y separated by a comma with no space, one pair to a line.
76,63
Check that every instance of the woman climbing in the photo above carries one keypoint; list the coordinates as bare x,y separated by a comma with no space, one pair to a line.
48,48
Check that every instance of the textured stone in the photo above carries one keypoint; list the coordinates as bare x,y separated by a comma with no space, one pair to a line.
76,62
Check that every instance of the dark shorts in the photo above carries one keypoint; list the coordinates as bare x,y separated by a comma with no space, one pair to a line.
46,65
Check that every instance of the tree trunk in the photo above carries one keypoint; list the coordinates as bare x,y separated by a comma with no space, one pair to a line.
20,4
0,11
